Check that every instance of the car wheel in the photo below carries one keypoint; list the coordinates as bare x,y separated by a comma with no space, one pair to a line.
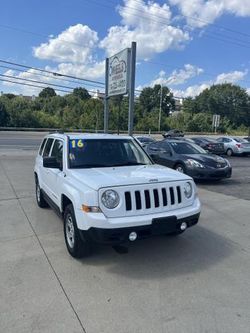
229,152
39,196
77,245
180,167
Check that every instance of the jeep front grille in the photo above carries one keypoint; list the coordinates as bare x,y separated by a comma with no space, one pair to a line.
152,198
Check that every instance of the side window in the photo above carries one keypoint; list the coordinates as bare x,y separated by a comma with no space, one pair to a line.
57,151
165,146
154,146
47,147
42,146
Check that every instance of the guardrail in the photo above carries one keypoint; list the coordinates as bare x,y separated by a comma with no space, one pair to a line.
34,129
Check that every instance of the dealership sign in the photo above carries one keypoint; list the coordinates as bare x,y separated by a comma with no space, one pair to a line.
118,73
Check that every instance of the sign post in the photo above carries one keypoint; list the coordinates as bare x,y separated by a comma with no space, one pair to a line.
216,122
132,89
120,80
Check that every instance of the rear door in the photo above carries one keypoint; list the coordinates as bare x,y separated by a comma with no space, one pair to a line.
43,172
55,176
165,156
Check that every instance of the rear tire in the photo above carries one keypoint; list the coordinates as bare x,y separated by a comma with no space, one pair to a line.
180,167
39,196
229,152
78,246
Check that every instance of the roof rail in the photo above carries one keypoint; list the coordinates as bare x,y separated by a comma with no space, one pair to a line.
60,131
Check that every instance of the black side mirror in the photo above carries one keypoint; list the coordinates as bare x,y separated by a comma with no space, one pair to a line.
52,163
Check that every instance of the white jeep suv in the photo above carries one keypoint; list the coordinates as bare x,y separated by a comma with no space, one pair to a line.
107,189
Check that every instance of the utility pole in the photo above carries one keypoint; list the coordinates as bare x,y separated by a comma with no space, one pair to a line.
132,89
106,107
160,110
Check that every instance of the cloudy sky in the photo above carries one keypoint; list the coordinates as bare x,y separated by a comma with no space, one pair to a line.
186,45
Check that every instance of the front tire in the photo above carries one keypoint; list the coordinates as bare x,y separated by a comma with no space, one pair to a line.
180,167
39,196
78,246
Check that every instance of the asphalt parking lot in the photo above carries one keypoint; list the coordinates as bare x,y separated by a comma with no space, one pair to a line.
195,283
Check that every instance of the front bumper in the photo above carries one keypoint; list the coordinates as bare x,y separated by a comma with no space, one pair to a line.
159,226
210,173
86,221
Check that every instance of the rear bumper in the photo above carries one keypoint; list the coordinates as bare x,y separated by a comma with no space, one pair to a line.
159,226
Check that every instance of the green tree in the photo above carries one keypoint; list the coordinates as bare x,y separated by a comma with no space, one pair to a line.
81,93
4,116
151,98
47,92
227,100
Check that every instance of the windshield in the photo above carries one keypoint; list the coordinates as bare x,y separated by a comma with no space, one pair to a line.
240,140
145,140
187,148
91,153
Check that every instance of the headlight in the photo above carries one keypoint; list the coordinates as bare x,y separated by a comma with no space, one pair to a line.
188,190
110,199
194,164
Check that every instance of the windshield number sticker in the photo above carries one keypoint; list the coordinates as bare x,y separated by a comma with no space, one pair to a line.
77,143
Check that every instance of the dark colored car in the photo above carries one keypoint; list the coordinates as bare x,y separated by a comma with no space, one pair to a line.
145,140
210,145
247,138
173,133
190,159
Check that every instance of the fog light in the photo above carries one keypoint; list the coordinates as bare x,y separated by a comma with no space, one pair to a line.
132,236
183,226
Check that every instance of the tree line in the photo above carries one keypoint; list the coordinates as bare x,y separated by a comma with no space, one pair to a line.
78,110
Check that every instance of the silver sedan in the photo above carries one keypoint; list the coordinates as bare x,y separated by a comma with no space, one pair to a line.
235,146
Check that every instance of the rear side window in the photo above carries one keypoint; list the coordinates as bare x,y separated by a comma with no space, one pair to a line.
42,146
47,147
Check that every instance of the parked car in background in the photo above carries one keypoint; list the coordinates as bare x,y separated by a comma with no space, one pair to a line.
144,140
190,159
247,138
173,133
235,146
181,139
210,145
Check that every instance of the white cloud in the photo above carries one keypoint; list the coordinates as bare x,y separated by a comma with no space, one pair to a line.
231,77
202,12
192,91
177,76
74,44
141,23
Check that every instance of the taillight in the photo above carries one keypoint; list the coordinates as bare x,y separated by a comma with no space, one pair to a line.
238,145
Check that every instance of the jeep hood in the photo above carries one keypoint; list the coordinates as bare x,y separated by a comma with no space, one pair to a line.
97,178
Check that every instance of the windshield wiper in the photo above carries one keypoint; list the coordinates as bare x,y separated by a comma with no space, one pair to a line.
84,166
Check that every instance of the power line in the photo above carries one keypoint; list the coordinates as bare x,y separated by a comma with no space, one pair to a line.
35,81
127,8
194,19
48,76
31,85
141,17
37,34
50,72
42,82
